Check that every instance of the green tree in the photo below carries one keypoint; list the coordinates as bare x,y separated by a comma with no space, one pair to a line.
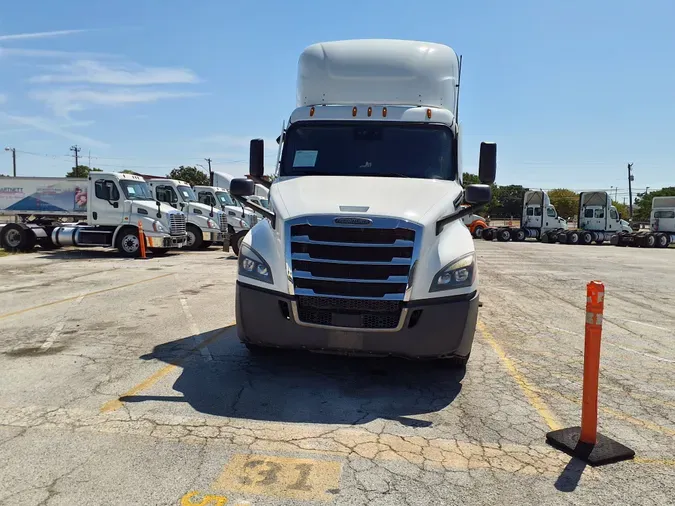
565,201
81,171
191,175
623,209
643,202
507,201
468,178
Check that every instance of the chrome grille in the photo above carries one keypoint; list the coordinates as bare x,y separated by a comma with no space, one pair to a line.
253,220
351,276
223,222
177,223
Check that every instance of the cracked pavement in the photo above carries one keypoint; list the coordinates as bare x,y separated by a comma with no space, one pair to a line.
123,382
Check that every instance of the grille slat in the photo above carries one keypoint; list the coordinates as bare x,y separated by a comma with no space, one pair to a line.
177,223
347,270
223,222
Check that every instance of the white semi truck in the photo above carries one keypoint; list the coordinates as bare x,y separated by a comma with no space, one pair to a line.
111,203
598,220
363,250
539,220
239,219
205,224
661,231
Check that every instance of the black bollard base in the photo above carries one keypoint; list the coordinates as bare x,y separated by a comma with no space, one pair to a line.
605,451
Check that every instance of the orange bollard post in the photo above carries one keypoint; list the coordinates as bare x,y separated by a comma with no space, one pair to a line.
584,442
141,238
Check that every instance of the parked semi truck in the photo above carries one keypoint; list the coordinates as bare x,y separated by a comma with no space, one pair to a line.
363,249
239,219
539,220
661,231
598,221
111,203
476,224
205,224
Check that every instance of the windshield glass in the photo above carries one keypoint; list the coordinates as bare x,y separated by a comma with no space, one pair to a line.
225,199
369,149
187,194
136,190
265,203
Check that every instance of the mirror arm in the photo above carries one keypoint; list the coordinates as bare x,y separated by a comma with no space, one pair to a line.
457,216
258,180
266,213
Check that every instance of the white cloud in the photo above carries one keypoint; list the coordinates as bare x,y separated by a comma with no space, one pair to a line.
95,72
40,35
64,101
48,53
44,125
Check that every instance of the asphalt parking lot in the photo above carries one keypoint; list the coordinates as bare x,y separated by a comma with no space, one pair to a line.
123,382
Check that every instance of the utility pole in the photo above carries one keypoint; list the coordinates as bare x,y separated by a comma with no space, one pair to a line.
210,172
13,150
630,189
76,150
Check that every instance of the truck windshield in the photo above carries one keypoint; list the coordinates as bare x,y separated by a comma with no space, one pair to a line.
136,190
369,149
186,193
225,199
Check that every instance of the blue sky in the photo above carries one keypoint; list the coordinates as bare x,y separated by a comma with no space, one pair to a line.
571,91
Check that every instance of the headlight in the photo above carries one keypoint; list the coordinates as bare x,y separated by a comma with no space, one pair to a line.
242,223
458,274
211,223
158,227
252,265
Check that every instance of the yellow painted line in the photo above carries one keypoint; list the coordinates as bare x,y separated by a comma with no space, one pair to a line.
116,404
75,297
294,478
662,462
530,392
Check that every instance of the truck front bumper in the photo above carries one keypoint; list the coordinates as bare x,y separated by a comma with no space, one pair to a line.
166,241
212,236
431,328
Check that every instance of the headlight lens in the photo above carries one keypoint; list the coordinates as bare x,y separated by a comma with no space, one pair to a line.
459,273
211,223
252,265
158,227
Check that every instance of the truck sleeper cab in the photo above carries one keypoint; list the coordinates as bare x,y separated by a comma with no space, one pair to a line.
205,224
340,265
661,233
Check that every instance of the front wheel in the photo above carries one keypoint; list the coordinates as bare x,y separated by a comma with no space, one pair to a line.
237,240
128,243
194,237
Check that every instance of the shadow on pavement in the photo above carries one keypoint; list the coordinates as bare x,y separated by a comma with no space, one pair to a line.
570,476
300,386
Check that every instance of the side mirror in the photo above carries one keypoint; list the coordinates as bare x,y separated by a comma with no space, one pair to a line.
477,194
242,187
256,158
487,163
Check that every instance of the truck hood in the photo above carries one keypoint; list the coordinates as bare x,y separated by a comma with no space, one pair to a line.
205,209
151,207
401,197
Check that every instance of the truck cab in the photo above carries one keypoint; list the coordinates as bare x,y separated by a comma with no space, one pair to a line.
596,213
363,250
538,213
239,219
205,224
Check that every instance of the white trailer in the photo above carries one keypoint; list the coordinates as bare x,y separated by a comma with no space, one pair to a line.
539,220
239,219
661,231
363,250
106,207
598,221
206,224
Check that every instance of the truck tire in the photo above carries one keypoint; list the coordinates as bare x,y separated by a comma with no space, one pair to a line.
562,237
573,238
599,241
503,235
519,235
194,237
237,240
488,234
650,241
586,238
478,231
16,237
128,243
662,241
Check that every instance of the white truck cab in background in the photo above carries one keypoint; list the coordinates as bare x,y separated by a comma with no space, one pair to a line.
661,233
205,224
363,250
598,220
239,219
112,203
